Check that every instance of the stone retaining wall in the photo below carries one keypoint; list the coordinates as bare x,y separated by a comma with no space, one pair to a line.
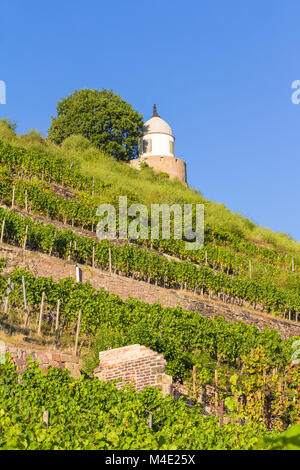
19,356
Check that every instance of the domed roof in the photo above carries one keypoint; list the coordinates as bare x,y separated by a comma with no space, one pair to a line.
156,125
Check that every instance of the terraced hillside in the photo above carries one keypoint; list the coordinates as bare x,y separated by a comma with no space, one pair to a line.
206,310
240,270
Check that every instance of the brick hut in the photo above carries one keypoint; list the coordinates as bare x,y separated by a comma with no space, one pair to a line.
134,364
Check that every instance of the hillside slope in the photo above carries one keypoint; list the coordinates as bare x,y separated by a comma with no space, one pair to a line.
171,300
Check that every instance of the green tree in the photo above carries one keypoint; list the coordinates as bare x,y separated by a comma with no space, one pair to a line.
109,122
7,130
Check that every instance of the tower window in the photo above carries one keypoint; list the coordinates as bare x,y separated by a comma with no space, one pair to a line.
171,147
147,145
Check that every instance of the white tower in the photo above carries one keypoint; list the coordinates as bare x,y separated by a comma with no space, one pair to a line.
157,138
156,149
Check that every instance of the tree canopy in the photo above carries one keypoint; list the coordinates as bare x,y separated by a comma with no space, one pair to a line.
109,122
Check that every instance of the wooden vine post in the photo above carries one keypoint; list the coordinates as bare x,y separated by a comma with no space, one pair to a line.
26,201
25,238
2,230
78,279
41,313
25,303
109,259
5,303
150,421
46,418
93,257
69,255
194,382
57,315
57,339
13,197
77,332
216,390
50,252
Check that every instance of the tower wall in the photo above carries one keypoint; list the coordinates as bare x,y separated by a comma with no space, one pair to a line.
158,144
173,166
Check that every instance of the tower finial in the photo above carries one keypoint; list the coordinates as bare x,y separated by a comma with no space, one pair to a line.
155,111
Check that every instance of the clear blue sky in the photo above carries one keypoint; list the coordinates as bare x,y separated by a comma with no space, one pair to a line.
220,73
